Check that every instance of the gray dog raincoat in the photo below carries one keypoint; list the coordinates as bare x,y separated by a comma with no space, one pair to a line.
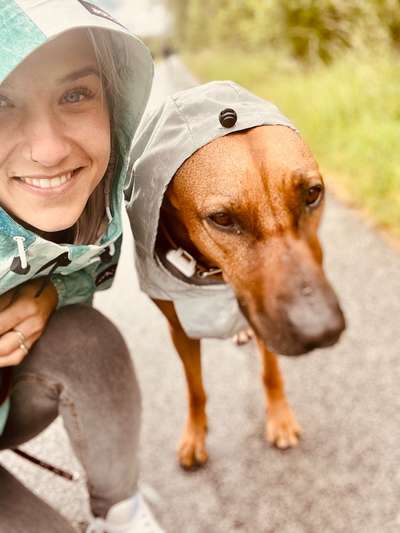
185,122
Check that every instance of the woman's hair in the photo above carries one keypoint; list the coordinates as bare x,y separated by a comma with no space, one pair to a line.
112,65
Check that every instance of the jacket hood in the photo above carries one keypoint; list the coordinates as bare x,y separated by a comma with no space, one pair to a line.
185,122
26,25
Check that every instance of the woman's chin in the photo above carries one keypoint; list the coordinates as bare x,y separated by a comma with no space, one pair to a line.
51,224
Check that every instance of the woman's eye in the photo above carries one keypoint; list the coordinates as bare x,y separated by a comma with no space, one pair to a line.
77,95
222,219
313,195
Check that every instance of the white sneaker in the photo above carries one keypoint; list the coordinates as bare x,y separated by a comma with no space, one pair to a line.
129,516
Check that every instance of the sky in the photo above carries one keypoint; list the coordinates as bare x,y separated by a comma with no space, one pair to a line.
144,17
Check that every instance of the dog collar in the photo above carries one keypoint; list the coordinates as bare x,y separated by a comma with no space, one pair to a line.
184,266
187,264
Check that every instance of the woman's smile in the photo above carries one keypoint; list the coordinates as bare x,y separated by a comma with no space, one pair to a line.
48,185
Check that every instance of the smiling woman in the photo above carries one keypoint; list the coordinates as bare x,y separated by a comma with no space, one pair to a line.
73,87
55,139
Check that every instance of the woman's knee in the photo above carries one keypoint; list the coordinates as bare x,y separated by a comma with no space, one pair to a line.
81,349
77,328
77,336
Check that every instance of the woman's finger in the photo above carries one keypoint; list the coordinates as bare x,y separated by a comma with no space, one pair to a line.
17,356
24,304
6,299
16,313
12,340
32,329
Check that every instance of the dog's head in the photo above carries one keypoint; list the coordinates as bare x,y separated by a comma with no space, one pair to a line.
250,203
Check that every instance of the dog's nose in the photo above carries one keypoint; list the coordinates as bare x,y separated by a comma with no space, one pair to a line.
316,326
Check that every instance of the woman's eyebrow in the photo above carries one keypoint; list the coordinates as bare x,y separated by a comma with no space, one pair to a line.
81,73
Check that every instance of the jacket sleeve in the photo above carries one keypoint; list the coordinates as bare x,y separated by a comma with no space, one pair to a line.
78,287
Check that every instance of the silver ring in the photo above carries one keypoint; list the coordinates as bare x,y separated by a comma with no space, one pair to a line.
24,348
22,340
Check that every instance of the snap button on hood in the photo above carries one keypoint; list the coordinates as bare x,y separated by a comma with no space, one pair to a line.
228,118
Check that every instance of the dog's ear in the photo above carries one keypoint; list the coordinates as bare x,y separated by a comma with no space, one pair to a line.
170,200
170,203
171,226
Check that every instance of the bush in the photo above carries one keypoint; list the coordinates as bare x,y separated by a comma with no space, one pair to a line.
310,30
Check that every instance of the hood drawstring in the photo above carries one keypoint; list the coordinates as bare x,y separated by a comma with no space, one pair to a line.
112,166
108,253
107,202
108,211
112,249
20,264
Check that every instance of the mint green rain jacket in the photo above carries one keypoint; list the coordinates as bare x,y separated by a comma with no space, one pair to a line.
76,271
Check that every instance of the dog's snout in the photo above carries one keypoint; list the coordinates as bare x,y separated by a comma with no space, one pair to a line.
315,323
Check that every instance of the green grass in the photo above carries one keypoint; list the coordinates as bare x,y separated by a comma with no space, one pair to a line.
349,113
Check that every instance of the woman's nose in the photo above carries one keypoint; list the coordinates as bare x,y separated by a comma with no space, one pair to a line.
46,142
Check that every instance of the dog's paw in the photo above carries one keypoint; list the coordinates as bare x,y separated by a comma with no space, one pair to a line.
192,451
282,430
243,337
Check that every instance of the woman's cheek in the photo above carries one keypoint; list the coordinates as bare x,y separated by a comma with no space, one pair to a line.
95,140
10,133
103,146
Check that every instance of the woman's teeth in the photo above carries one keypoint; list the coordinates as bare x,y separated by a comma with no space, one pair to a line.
47,183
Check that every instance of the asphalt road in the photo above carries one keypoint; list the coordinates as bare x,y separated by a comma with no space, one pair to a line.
344,476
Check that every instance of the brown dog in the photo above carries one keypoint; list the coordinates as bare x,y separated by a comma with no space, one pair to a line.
259,226
225,203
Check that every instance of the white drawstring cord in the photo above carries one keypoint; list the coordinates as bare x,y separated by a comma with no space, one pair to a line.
94,260
108,209
21,251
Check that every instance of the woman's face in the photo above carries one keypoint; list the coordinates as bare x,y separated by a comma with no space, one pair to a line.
54,133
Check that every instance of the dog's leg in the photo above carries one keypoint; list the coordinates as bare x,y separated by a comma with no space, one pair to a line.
282,429
192,450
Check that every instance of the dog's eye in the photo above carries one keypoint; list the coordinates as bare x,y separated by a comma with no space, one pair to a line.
313,195
222,219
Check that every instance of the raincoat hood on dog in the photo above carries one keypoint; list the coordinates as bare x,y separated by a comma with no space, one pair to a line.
187,121
76,271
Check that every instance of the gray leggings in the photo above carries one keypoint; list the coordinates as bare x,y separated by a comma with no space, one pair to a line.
81,369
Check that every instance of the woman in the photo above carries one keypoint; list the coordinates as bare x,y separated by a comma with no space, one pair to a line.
73,87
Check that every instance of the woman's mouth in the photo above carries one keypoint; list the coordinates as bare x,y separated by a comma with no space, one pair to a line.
49,184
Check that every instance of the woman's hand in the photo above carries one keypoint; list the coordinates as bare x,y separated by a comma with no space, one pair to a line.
22,312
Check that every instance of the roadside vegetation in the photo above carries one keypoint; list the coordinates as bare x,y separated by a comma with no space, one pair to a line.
332,66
